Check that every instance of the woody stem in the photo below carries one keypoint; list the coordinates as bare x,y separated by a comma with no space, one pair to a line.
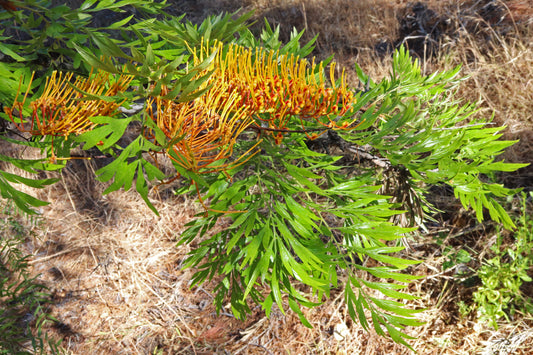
268,129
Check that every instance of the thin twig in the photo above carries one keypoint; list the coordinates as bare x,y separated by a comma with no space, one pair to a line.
31,262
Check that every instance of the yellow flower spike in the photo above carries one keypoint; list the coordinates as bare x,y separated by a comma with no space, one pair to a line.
59,110
282,86
206,128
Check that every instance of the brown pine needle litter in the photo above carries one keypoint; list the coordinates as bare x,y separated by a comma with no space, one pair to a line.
115,272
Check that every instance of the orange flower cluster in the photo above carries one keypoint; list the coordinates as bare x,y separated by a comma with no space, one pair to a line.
247,86
281,86
203,131
63,109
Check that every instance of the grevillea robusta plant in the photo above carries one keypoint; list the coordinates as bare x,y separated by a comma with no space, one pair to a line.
309,173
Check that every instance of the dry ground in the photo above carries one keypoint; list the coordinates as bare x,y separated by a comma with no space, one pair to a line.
116,274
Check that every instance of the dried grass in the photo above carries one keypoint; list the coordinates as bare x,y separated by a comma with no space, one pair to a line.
115,271
112,269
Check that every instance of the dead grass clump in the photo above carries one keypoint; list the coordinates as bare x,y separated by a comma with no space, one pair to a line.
113,279
500,71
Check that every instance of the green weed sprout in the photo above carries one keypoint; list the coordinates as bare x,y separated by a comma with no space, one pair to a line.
502,276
